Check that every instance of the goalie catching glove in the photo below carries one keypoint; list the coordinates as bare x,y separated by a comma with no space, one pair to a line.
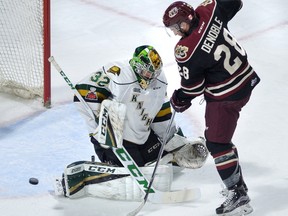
187,153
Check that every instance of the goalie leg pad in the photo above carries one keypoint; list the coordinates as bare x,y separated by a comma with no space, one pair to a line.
110,182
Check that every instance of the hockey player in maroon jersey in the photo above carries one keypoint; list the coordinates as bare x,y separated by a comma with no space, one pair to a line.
213,63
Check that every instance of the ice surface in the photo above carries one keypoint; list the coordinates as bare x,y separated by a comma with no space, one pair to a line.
39,142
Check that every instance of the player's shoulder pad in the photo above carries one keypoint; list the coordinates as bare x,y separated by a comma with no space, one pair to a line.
113,68
119,72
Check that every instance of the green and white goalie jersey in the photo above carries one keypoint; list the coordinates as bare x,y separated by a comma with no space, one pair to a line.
117,81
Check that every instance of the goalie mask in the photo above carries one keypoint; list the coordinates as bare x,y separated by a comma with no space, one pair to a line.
147,65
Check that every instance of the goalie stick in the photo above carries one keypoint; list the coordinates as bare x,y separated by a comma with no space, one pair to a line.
156,196
163,143
57,67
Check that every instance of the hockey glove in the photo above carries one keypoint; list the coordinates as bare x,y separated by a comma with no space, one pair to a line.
179,104
99,150
105,154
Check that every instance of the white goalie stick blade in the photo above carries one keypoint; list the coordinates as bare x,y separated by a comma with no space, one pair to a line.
186,195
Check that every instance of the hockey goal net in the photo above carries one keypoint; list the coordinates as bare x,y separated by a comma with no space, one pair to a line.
25,48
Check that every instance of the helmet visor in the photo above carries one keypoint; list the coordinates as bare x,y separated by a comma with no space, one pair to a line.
149,75
173,30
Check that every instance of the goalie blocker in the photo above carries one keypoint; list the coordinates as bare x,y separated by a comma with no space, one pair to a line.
85,178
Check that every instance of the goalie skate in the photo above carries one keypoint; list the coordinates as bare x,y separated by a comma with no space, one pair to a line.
59,188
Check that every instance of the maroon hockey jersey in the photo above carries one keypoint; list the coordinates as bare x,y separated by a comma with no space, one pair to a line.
210,60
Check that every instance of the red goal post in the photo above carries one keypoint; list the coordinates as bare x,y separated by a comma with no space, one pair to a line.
25,47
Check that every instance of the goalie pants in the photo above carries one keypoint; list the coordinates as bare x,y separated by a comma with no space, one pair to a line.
221,121
141,154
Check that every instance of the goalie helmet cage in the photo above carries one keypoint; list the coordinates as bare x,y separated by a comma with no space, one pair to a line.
25,48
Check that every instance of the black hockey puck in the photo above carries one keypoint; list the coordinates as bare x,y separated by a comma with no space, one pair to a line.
33,181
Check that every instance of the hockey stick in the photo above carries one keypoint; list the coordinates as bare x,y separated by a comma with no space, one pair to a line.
58,68
163,143
127,161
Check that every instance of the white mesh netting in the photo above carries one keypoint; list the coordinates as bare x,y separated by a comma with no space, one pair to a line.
21,47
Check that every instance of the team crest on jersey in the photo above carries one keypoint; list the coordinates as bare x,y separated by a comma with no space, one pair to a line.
181,51
114,70
91,95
